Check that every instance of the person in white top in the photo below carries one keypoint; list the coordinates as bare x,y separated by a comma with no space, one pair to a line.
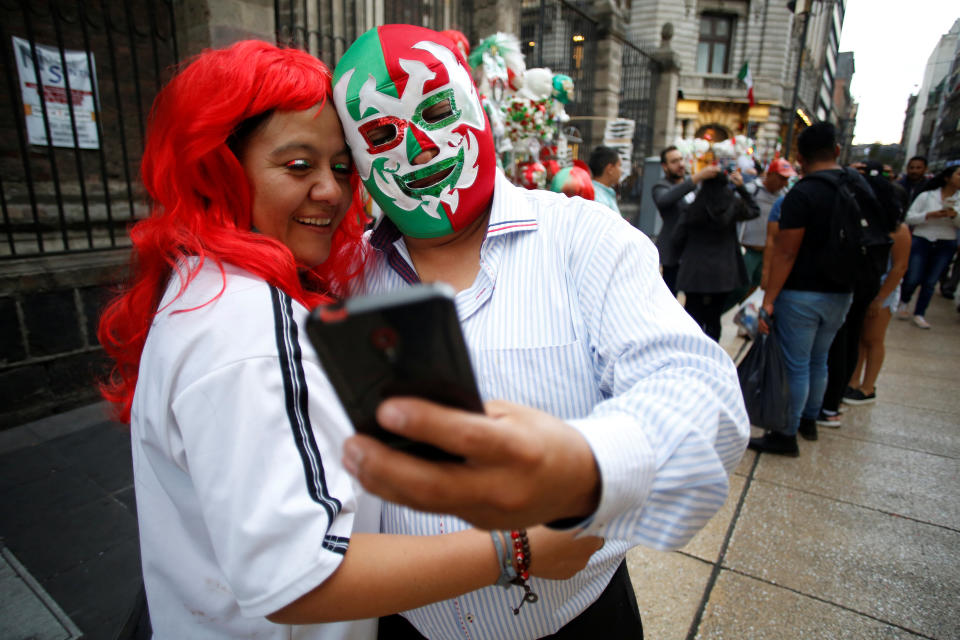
249,525
933,217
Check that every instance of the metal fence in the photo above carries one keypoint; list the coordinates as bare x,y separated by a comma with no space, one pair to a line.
326,28
638,77
563,37
76,194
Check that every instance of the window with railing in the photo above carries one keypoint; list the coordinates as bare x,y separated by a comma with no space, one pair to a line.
713,49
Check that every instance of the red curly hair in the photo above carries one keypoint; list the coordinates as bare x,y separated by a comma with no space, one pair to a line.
201,199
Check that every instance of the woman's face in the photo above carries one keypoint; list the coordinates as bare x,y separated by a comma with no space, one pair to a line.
299,171
954,179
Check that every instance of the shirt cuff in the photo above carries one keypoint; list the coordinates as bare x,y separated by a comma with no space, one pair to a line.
626,464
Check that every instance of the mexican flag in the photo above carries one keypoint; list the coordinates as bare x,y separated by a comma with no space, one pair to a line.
747,79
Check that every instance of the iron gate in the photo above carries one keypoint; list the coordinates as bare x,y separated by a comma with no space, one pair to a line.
326,28
563,37
63,198
638,77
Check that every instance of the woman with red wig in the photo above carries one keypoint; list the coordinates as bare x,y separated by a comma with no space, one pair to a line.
248,522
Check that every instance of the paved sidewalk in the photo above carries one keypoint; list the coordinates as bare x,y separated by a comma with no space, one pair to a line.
67,518
857,538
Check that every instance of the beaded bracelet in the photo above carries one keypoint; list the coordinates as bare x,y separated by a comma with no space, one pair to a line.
521,556
514,569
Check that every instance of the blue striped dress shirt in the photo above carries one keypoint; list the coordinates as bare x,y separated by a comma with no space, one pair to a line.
569,314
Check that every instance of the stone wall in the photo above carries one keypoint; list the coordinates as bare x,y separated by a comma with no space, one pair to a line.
50,359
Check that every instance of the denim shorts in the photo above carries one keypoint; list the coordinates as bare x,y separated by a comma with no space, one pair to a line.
892,300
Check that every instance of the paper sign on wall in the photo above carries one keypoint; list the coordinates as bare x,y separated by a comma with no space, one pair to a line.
53,79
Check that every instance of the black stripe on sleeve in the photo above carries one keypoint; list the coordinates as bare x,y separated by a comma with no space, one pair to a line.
336,544
295,396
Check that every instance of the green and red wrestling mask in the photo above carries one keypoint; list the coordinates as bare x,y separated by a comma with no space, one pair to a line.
418,135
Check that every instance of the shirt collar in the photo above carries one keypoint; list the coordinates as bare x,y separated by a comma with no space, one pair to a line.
604,188
506,219
384,234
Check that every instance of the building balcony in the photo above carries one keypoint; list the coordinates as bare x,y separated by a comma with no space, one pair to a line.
711,86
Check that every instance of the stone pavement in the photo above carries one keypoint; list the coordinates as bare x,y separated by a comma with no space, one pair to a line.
857,538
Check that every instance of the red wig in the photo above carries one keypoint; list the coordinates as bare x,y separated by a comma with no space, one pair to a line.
201,199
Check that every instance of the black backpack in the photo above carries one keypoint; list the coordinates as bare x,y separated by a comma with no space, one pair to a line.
858,240
892,209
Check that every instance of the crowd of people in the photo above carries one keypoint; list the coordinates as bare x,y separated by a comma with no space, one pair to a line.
830,312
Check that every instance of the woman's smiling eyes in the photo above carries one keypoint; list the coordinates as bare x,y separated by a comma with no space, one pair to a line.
298,165
342,166
302,165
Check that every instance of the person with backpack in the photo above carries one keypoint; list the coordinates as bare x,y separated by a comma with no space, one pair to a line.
845,350
933,216
811,279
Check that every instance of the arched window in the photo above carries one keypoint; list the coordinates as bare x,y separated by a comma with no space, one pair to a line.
713,132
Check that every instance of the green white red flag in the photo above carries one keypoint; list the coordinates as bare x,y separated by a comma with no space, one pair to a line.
747,78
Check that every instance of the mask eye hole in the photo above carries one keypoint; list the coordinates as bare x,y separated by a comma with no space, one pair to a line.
438,112
382,134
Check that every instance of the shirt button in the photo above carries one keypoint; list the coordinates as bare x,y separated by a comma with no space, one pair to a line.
470,617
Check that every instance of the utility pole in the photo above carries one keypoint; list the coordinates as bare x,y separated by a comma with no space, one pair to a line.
805,12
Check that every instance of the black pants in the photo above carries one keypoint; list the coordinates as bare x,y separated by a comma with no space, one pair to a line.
706,309
845,348
950,278
670,277
613,616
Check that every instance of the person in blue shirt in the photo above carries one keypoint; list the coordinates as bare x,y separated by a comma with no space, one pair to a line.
605,168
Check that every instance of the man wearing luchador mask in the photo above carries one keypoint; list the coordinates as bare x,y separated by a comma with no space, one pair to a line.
628,419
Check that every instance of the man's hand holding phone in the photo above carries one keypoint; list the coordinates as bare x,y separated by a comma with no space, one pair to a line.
522,466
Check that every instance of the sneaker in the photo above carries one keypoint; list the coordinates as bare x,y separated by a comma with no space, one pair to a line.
830,419
903,311
921,322
856,396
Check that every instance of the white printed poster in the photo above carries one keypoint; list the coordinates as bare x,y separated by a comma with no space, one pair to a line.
53,79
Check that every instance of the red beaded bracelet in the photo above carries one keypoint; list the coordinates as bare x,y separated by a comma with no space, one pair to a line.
521,562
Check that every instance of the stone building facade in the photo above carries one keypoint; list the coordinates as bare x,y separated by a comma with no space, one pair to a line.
918,129
714,38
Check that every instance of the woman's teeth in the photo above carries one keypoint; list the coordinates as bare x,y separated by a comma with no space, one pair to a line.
316,222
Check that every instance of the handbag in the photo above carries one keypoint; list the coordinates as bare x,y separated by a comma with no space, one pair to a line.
763,382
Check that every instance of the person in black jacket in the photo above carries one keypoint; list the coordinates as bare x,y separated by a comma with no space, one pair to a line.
711,265
672,195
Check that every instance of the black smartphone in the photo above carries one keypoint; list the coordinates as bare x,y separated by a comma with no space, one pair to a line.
402,343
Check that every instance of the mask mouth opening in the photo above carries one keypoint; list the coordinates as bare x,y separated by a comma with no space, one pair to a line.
431,180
